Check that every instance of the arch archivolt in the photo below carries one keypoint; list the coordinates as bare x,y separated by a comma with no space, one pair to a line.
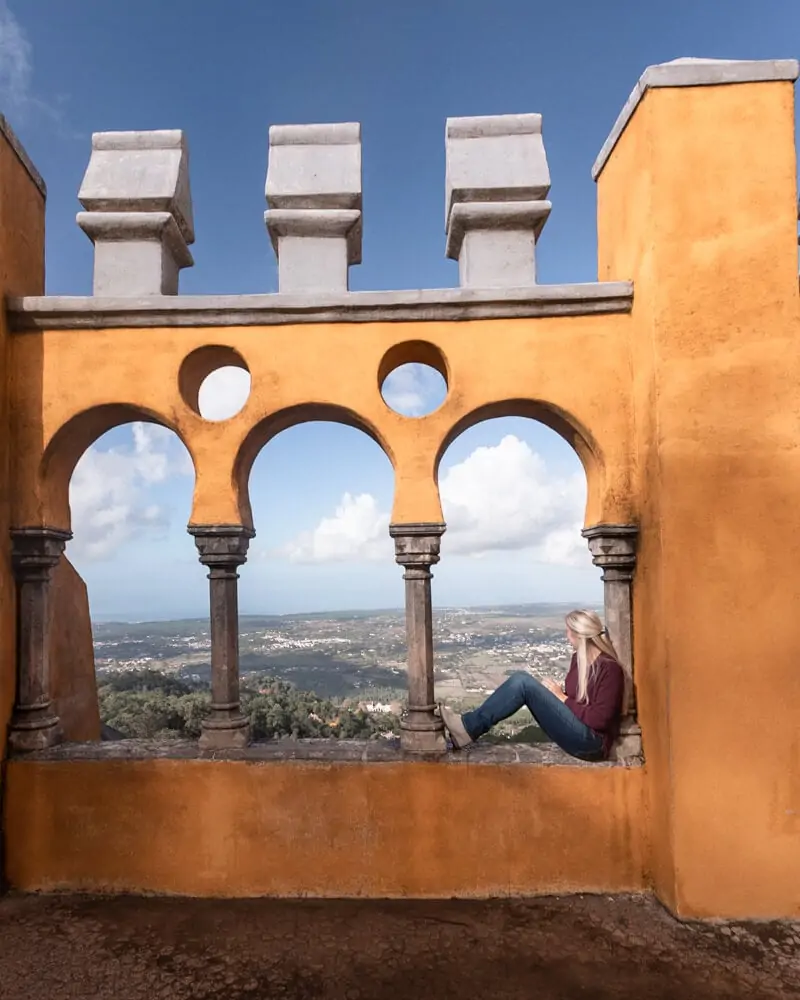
306,373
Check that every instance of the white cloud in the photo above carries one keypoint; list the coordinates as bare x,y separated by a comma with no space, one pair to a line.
15,61
499,498
109,490
223,393
503,497
358,530
414,390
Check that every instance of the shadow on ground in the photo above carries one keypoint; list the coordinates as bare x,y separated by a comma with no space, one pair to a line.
553,948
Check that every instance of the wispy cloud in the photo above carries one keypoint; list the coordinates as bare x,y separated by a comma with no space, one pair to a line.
110,493
16,67
18,97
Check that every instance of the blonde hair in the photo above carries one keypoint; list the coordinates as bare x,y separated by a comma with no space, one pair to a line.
593,639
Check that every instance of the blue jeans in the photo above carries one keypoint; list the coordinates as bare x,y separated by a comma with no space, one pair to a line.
555,718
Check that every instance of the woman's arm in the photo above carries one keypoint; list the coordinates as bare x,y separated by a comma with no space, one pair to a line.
605,698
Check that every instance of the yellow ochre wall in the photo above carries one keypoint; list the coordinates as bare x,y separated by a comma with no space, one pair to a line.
698,205
22,219
686,414
21,273
297,373
215,828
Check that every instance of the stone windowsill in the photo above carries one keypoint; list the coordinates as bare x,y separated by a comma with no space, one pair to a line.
318,751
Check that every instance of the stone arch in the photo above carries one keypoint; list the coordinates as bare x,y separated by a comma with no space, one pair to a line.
578,437
72,439
268,428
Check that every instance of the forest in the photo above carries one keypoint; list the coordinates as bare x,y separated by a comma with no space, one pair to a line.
149,703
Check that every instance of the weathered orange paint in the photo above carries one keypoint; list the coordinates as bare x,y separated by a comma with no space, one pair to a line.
685,416
21,273
136,374
215,828
698,204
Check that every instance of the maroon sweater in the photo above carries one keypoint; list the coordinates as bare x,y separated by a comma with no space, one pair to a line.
603,706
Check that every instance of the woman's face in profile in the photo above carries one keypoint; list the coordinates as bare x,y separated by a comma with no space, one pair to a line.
572,639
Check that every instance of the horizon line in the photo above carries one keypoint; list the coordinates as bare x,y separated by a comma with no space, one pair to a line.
333,613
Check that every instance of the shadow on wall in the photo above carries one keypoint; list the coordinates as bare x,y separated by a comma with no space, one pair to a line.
73,681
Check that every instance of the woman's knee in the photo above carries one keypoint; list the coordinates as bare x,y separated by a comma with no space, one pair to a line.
524,680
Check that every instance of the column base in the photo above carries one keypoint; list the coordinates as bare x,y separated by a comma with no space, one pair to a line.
628,745
26,736
423,741
230,734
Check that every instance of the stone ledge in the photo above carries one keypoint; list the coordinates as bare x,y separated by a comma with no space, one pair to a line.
432,304
689,72
316,751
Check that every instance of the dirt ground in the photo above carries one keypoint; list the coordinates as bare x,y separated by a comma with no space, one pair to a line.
554,948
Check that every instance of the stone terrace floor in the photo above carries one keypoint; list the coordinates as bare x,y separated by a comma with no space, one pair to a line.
551,948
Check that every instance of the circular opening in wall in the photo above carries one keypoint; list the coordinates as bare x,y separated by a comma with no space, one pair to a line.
413,378
214,381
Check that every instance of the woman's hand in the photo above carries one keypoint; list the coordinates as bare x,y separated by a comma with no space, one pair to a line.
554,688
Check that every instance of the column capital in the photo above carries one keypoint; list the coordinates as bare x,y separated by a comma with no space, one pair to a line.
36,551
416,545
613,549
221,545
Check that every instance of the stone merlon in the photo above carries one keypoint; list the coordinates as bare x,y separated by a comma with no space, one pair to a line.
496,183
138,211
313,192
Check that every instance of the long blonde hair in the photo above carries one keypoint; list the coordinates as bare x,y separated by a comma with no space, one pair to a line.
593,639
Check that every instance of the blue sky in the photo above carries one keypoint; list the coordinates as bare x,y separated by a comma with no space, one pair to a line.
224,73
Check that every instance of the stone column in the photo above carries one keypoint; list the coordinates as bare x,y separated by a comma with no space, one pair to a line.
35,553
223,548
613,549
416,549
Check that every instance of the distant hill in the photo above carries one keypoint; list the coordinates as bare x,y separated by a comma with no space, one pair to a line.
246,622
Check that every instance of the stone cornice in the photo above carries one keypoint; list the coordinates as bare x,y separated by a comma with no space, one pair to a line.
430,304
694,73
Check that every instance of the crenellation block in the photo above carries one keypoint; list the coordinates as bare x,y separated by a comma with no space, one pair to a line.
313,191
314,166
496,183
138,203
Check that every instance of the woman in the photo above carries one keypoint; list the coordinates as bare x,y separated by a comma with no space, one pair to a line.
582,719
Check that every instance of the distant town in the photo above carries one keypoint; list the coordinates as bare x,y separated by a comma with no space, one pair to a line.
355,658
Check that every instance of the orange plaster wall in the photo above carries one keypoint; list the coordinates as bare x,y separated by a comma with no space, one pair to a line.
710,236
215,828
21,272
572,364
624,232
72,674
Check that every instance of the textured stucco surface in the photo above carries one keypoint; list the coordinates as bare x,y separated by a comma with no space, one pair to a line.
134,374
21,273
698,206
684,413
321,828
